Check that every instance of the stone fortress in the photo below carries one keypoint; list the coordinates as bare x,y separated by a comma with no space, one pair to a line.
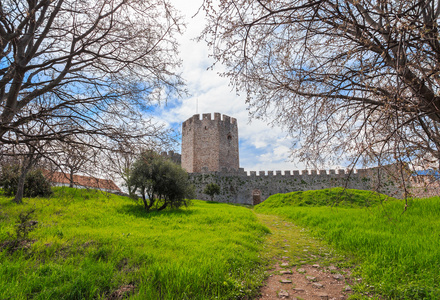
210,153
210,145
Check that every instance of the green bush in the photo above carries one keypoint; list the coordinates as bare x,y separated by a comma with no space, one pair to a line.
211,190
35,184
159,180
23,227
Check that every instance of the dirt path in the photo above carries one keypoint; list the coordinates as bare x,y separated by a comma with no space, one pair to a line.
303,267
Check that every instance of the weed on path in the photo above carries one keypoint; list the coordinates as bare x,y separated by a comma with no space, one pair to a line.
302,267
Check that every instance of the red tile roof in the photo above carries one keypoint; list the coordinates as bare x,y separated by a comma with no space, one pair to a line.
79,180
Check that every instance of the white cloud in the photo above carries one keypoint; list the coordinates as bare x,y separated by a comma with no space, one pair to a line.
261,146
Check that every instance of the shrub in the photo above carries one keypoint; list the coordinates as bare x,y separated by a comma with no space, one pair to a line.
35,184
159,180
211,190
23,227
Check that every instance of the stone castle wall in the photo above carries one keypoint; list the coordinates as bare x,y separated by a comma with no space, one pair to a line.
210,143
210,154
173,156
240,187
423,186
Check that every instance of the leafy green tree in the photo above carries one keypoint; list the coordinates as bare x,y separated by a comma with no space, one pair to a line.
160,181
140,178
211,190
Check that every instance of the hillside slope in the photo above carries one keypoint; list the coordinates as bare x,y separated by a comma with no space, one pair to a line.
92,245
339,197
398,246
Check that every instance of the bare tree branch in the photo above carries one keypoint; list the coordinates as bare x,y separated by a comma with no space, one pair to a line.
344,77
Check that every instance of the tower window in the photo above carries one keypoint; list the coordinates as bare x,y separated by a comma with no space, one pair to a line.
229,140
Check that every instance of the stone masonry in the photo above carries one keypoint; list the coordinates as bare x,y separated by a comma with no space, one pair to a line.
253,188
174,157
210,154
210,144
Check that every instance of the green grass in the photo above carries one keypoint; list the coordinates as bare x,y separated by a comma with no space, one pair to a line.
336,197
91,245
297,245
399,250
88,245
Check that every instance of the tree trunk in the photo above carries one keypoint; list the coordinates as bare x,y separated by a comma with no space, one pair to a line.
144,200
151,203
151,198
165,203
20,188
147,205
71,179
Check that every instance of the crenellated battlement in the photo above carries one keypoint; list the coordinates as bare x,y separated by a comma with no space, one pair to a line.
173,156
218,118
288,174
210,154
240,186
210,141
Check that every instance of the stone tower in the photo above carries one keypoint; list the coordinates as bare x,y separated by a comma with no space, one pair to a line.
209,145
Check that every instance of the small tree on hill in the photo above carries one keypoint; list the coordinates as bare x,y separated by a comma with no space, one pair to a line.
140,178
172,185
160,181
211,190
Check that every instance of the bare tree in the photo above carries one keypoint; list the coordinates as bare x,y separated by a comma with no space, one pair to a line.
85,68
121,155
74,154
119,162
355,78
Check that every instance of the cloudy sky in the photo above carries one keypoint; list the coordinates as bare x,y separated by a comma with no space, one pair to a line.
261,147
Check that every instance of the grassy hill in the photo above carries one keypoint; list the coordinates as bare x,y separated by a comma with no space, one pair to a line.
93,245
399,249
336,197
89,244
